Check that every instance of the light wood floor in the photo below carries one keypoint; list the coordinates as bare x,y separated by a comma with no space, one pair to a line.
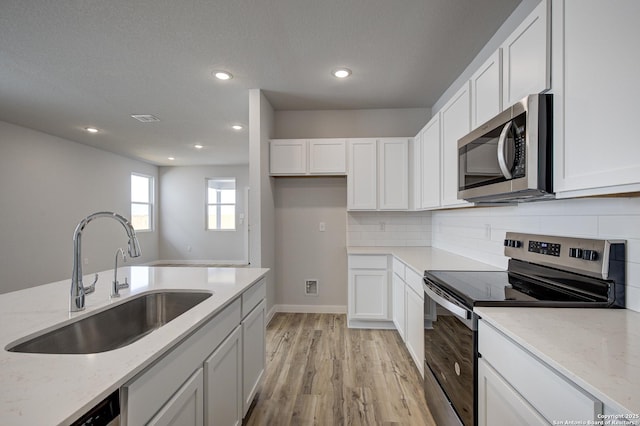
319,372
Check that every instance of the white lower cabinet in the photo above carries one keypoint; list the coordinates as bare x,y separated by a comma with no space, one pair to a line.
415,327
223,383
185,407
514,384
253,354
399,317
211,377
369,292
500,404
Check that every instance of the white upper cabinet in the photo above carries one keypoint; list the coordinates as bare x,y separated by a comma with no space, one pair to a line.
595,86
327,156
378,174
430,164
526,57
393,174
455,119
288,157
486,90
299,157
362,178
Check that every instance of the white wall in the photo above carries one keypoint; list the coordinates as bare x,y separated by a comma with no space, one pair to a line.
358,123
47,185
261,204
182,215
396,229
303,251
479,232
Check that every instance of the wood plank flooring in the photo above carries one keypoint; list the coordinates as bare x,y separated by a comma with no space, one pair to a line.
319,372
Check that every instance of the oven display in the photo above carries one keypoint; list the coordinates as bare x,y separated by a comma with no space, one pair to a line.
542,247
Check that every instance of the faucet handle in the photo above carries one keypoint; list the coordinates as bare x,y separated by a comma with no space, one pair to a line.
125,284
90,289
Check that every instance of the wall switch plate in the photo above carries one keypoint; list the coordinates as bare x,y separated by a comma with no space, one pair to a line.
322,227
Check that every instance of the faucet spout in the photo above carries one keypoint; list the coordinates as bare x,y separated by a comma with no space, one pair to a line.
78,290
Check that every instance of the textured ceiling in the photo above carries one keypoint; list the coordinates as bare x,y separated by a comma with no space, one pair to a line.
69,64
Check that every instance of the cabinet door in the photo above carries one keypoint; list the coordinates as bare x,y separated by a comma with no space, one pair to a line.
415,327
398,304
430,164
253,354
596,89
223,383
456,123
362,189
368,294
500,404
185,407
288,157
486,90
327,157
393,174
526,57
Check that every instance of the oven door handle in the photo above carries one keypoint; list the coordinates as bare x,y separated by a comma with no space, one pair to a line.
458,311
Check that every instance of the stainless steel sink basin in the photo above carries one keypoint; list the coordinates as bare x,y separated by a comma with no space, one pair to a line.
115,327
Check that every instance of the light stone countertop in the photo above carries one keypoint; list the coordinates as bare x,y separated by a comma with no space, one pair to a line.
44,389
598,349
424,258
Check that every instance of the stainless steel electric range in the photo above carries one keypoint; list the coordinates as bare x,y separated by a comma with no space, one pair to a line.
543,271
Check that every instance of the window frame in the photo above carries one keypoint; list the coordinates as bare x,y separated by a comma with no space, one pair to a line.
220,204
150,204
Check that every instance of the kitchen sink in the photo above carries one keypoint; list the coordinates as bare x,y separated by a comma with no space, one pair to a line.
114,327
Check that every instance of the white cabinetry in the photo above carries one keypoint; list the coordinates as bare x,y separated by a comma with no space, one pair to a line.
526,57
455,119
519,384
595,87
486,90
378,174
301,157
223,383
253,358
415,326
185,407
210,377
288,157
368,292
362,177
397,283
430,164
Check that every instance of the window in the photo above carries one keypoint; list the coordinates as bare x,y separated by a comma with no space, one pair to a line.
141,202
221,204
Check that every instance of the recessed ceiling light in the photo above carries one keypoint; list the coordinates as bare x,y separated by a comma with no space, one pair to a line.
91,129
237,127
341,72
171,158
198,146
222,75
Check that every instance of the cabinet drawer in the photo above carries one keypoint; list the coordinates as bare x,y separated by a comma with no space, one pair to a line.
149,391
253,296
414,280
367,262
399,268
547,391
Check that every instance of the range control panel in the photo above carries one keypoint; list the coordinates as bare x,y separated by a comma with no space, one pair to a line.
542,247
581,255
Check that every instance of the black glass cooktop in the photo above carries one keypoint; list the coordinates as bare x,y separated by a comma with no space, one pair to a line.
504,288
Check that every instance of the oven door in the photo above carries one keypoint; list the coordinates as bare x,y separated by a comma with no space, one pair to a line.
450,346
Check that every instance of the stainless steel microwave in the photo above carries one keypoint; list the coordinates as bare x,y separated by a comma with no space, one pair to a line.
510,157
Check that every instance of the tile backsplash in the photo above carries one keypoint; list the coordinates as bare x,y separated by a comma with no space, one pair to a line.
389,229
478,233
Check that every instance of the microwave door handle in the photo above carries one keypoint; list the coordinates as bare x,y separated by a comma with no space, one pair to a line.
502,161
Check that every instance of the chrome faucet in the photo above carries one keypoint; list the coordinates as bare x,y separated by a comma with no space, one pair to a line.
115,285
78,290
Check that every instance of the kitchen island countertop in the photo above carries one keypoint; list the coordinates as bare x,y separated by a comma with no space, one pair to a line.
46,389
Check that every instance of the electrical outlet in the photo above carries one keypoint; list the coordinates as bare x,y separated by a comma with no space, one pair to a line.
188,248
383,226
322,227
487,231
86,260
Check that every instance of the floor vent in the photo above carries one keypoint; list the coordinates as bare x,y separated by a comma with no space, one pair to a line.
311,287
